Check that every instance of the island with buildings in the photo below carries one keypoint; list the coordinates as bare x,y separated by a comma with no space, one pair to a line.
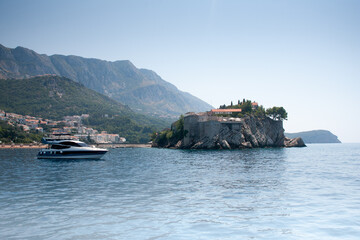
245,125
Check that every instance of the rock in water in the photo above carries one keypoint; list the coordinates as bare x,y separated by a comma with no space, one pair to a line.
295,142
225,145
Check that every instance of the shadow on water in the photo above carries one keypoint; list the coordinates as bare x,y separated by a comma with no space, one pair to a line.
69,160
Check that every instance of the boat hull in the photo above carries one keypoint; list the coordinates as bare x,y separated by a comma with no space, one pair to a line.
46,154
72,157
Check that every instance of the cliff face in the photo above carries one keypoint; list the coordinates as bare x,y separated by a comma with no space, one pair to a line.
209,132
245,132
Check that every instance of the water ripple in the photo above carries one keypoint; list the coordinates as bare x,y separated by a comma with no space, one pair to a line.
307,193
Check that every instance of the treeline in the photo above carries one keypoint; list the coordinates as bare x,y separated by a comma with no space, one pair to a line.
54,97
247,108
170,136
15,134
126,126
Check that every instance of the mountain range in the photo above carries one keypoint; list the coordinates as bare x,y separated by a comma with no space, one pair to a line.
141,89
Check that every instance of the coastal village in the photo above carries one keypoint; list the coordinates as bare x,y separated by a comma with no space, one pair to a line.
70,125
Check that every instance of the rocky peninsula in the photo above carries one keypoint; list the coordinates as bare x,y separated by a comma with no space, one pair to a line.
206,131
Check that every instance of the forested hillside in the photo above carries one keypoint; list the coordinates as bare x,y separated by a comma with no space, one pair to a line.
54,97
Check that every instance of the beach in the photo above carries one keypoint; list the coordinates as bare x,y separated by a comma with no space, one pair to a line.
23,145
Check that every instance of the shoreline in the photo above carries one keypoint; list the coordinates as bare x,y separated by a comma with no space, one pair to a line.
22,146
123,145
101,145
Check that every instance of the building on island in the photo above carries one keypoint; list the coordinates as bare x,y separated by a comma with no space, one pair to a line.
223,111
209,124
254,105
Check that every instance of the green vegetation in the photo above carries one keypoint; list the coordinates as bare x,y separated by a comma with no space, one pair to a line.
15,134
136,129
173,135
54,97
247,108
277,113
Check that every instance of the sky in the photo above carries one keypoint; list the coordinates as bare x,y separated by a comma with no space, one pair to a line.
302,55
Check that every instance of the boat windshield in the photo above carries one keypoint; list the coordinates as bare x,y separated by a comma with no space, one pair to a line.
58,146
74,144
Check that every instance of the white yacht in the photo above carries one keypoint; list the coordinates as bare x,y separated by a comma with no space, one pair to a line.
70,149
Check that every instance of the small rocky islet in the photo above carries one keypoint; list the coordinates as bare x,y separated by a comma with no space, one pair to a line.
206,131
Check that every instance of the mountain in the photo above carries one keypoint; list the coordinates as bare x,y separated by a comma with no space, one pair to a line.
141,89
55,97
315,136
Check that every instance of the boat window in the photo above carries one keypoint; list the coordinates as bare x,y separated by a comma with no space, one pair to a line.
74,144
83,144
57,146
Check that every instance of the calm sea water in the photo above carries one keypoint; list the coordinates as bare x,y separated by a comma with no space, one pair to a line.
299,193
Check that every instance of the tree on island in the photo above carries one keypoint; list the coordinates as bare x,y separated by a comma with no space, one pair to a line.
246,107
173,135
277,113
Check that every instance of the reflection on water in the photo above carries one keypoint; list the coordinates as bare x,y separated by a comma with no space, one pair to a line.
180,194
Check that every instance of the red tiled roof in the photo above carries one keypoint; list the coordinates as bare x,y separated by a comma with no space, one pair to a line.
225,110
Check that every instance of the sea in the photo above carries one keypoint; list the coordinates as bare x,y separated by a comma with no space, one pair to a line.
146,193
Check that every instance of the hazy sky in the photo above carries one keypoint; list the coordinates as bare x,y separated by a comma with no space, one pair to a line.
302,55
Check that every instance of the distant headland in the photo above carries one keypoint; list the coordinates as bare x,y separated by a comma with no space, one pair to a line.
315,136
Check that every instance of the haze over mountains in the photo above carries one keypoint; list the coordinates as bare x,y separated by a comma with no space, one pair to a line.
141,89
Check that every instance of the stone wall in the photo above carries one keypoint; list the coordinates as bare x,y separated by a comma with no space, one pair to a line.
209,132
230,133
